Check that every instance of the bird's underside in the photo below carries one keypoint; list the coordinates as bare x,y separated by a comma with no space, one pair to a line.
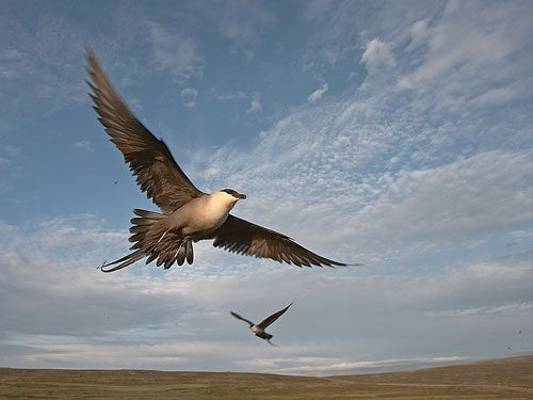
157,236
259,329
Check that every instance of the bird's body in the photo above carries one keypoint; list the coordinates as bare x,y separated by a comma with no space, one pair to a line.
203,215
259,329
188,214
260,332
169,237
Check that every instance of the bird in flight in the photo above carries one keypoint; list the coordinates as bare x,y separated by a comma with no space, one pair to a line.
259,329
188,214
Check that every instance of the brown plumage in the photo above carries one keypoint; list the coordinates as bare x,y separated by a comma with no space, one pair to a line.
188,214
149,158
243,237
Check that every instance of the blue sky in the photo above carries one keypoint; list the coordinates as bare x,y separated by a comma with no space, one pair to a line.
397,134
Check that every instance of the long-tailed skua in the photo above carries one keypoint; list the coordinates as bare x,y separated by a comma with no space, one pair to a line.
259,329
188,214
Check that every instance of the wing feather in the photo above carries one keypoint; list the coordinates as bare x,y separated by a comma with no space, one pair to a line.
270,319
242,237
241,318
149,158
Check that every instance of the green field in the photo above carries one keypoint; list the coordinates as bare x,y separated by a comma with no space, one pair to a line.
509,378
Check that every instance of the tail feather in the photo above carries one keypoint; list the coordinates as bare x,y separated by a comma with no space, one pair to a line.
181,253
139,228
189,252
151,237
136,237
123,262
151,258
143,226
148,214
141,221
168,253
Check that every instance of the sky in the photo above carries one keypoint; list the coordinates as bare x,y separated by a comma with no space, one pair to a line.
394,134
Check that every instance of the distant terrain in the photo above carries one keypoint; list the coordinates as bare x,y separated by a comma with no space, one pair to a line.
509,378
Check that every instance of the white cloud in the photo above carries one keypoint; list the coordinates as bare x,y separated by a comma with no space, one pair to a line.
175,53
318,93
84,145
255,104
340,29
435,199
189,96
63,312
321,367
468,45
513,307
378,54
497,96
238,95
242,22
464,197
419,33
254,98
381,177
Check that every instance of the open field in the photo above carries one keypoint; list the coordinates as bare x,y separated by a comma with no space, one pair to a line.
509,378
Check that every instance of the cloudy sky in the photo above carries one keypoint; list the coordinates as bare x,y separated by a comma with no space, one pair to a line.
396,134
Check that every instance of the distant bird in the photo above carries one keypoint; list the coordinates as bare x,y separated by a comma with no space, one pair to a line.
188,215
259,329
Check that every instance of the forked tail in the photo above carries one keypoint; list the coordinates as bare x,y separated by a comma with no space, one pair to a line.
123,262
152,238
142,225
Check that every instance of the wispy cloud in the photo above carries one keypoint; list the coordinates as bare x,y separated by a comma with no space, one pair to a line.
175,53
171,327
513,307
189,96
318,93
419,34
230,96
466,54
84,145
378,54
241,23
420,168
255,104
353,367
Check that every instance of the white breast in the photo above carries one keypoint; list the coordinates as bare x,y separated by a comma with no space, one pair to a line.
209,213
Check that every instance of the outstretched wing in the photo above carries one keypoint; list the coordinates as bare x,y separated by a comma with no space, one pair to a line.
269,320
242,237
149,158
241,318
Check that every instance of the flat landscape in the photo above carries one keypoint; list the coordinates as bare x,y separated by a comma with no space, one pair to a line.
509,378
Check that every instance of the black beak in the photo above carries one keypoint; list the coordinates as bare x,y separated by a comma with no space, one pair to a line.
242,196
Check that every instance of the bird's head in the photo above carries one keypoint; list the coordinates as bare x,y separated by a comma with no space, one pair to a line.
232,195
227,197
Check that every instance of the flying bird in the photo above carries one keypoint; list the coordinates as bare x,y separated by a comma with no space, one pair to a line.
188,214
259,329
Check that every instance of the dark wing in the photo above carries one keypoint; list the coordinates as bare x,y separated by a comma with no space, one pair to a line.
242,237
269,320
150,159
241,318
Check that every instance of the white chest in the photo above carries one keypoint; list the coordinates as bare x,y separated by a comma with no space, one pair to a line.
210,213
213,218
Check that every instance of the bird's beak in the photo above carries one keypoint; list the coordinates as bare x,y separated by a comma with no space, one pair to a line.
242,196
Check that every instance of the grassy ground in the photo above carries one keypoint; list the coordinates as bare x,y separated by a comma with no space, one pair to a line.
510,378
